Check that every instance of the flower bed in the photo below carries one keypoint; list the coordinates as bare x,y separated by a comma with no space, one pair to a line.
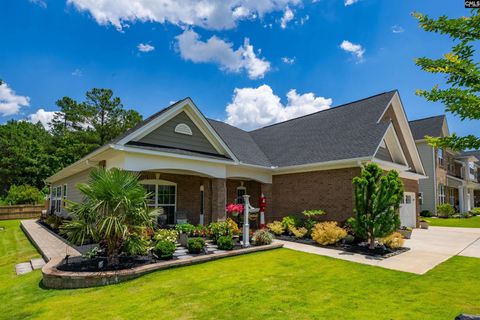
380,251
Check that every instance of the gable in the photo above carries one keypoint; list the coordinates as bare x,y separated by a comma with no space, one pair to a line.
383,153
179,132
390,148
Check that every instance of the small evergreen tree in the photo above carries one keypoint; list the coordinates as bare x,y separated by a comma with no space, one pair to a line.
377,200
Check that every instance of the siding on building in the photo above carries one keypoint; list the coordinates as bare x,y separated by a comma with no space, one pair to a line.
73,194
165,135
427,186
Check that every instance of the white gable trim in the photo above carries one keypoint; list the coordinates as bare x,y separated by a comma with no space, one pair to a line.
393,145
192,111
397,106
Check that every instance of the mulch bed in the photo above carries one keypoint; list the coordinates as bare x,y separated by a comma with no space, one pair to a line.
378,252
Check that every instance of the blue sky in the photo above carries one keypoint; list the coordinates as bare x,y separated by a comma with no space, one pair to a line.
52,49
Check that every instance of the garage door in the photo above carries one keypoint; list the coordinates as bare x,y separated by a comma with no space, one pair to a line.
408,212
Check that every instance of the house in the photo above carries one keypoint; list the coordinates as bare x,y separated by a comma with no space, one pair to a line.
194,166
453,177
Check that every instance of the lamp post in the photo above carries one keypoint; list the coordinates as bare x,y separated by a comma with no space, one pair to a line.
246,226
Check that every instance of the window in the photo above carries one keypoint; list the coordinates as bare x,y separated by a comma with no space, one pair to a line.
64,195
441,194
440,157
408,199
241,191
451,194
56,199
163,196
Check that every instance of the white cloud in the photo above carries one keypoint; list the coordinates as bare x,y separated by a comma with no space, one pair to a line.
252,108
145,47
354,49
218,51
288,60
77,73
397,29
350,2
10,102
42,116
39,3
208,14
287,17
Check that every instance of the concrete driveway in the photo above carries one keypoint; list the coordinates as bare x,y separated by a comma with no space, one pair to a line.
428,248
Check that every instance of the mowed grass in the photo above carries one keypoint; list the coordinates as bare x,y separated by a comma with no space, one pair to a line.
473,222
278,284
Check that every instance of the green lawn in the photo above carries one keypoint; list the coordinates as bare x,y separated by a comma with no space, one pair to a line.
280,284
473,222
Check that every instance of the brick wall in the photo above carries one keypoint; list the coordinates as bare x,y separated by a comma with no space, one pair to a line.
330,190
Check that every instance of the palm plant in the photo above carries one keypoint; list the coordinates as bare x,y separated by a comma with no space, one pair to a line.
114,208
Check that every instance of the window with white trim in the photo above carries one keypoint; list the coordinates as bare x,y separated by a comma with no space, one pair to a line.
441,160
163,196
441,194
56,199
64,195
241,191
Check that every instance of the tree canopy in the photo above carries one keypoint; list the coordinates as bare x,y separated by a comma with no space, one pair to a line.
460,68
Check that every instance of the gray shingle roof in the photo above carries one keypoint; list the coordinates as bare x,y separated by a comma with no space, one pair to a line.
241,143
344,132
431,126
475,153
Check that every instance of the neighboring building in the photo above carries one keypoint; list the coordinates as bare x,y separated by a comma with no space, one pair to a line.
453,177
195,166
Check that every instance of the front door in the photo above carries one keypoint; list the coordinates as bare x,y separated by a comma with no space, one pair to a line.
408,212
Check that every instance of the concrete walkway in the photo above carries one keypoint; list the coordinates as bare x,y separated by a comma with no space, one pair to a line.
428,248
48,243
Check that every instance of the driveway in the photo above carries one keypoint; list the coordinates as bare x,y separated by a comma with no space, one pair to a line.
428,248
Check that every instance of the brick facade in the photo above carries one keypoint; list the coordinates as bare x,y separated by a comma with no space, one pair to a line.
329,190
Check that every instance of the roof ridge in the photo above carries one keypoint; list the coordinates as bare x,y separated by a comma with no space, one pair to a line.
329,109
431,117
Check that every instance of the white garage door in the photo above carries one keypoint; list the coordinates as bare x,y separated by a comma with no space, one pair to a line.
408,216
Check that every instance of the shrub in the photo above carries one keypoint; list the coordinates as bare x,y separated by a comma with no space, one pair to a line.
218,229
24,194
225,243
54,221
298,232
166,235
195,245
313,213
445,210
276,227
290,221
185,228
377,198
349,239
164,249
393,241
262,237
326,233
475,212
233,226
135,245
426,214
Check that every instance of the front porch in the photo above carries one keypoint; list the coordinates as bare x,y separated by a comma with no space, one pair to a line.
192,197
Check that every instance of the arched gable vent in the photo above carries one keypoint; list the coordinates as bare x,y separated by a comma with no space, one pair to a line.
182,128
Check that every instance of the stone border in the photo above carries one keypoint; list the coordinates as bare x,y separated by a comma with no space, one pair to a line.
54,278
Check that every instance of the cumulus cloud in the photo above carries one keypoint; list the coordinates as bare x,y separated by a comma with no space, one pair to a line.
287,17
40,3
355,49
397,29
208,14
288,60
77,73
253,108
42,116
216,50
145,47
10,102
350,2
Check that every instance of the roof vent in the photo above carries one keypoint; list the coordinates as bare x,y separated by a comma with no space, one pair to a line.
182,128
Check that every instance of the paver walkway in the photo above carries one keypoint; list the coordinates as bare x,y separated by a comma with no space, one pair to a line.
48,243
428,248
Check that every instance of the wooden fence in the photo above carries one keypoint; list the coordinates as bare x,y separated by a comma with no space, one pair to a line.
21,211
